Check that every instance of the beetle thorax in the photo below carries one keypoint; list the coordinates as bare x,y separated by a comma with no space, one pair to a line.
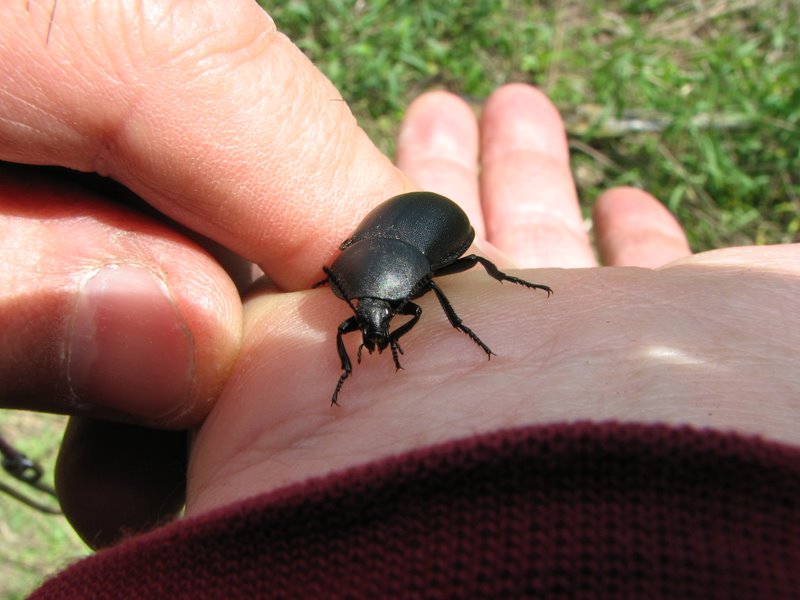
373,316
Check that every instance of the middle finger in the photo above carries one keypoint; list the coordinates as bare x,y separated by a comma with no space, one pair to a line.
529,199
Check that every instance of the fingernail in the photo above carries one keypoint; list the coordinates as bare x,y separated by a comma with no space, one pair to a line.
130,349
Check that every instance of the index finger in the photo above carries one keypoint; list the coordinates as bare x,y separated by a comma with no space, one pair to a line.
204,110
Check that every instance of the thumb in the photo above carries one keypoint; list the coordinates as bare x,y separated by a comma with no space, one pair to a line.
105,312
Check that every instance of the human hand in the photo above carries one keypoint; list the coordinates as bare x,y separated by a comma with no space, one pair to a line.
709,340
114,313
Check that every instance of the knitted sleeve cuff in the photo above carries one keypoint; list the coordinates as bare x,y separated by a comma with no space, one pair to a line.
580,510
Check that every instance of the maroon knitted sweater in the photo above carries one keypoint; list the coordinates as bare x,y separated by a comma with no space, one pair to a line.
570,511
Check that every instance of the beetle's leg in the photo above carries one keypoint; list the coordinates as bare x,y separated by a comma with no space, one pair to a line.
467,262
455,320
409,308
415,312
346,327
395,347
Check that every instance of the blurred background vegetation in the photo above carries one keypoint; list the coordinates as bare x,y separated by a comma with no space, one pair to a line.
32,544
697,102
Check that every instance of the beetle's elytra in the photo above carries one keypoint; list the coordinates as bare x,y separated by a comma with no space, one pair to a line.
391,258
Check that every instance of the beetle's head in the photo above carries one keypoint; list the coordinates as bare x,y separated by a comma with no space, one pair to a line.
373,316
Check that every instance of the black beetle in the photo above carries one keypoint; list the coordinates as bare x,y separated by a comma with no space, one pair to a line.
391,258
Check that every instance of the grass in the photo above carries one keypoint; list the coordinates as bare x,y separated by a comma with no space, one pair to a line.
718,81
32,545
